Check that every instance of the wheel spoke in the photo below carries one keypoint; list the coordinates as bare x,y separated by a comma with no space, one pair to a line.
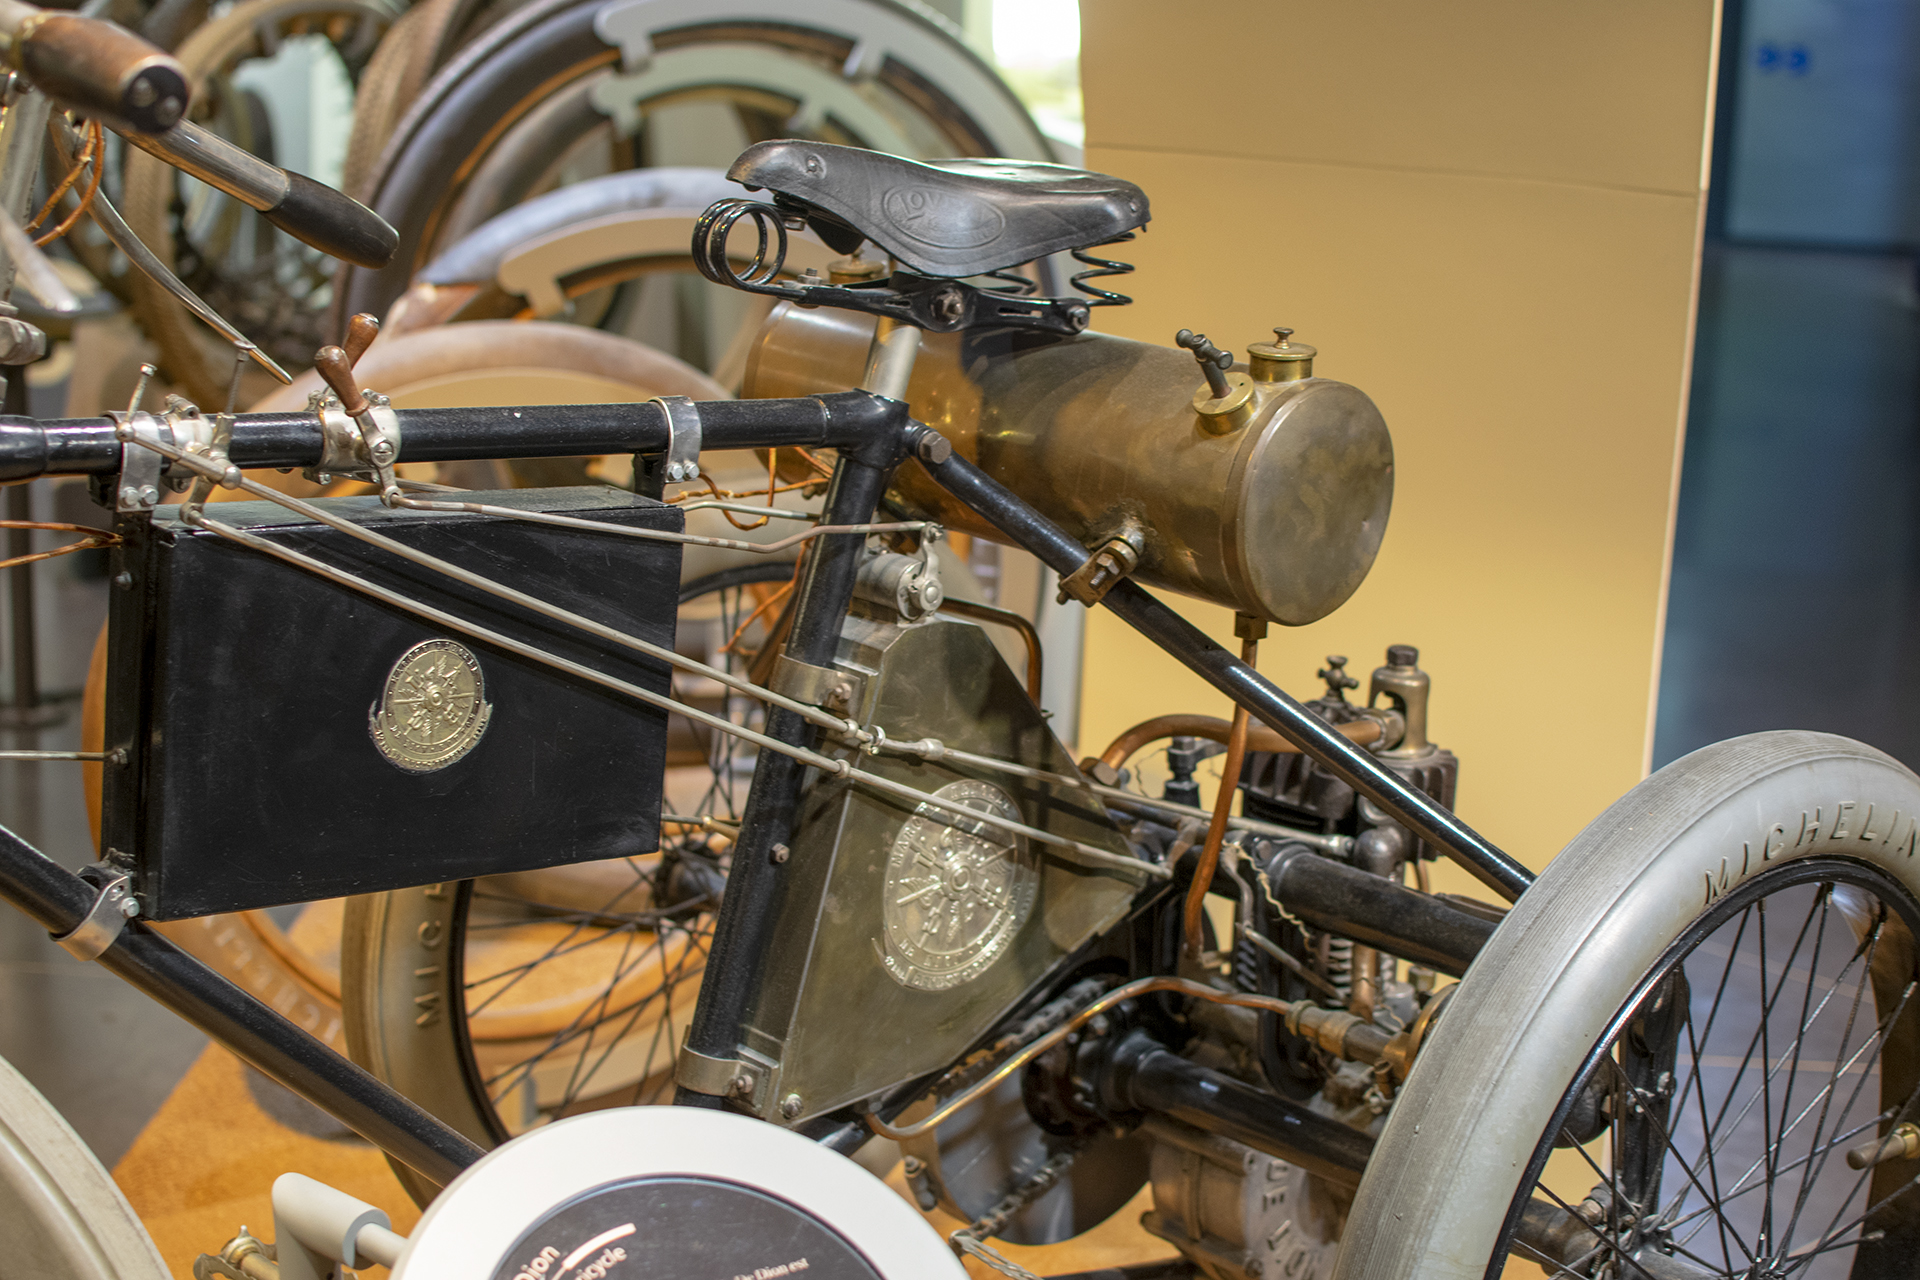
1870,944
1777,1095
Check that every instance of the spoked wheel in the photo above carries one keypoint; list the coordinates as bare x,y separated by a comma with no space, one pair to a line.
1692,1050
504,1003
273,288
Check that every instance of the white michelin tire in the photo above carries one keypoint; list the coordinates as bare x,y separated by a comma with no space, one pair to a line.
61,1216
1568,957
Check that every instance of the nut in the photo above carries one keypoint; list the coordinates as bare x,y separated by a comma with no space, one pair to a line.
779,852
790,1105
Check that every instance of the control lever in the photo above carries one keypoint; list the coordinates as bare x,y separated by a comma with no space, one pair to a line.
378,424
335,364
1213,361
95,67
311,212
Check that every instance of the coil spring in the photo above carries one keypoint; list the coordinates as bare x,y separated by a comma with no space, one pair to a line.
1102,267
1013,283
710,236
1339,970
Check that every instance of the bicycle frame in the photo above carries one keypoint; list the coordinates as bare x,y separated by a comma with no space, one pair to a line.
873,437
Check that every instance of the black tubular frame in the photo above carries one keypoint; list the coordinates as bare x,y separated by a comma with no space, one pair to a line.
874,436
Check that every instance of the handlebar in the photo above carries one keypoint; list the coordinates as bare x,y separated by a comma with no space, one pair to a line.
30,447
94,67
309,211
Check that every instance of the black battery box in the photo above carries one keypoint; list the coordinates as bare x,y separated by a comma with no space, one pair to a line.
289,738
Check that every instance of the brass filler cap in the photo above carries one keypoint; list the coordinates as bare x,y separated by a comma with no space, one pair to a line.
1281,360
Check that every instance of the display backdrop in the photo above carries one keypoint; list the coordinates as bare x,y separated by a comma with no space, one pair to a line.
1487,216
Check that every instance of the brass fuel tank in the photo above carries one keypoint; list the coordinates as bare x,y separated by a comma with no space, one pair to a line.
1276,510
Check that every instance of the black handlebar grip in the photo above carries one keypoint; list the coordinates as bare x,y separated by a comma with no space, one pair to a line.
335,224
100,69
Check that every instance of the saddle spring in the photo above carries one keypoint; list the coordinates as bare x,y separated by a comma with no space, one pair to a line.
1101,268
710,243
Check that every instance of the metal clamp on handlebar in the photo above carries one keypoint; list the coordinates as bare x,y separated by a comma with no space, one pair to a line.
365,446
113,905
137,489
683,436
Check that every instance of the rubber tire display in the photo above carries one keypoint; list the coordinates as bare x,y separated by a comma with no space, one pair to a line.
61,1216
1570,955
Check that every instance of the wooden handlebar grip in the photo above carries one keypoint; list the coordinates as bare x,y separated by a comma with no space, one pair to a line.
361,331
332,364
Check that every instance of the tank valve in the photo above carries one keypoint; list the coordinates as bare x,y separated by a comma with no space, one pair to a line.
1282,360
1406,687
1224,402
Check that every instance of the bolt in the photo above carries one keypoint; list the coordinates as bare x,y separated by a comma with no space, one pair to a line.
742,1085
949,306
790,1105
780,852
142,93
382,450
148,495
123,580
934,448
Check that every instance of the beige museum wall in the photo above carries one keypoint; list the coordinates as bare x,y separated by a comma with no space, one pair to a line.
1486,215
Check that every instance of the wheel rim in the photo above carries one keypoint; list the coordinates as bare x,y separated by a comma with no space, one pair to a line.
1733,1163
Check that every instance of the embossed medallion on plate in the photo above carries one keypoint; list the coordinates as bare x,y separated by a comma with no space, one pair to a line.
433,708
957,891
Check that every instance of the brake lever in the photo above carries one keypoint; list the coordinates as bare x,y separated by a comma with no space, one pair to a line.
67,142
311,212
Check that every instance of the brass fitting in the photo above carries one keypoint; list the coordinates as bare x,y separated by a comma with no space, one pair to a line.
1902,1143
1281,360
1225,400
1406,688
1111,561
243,1257
1338,1032
844,271
1398,1053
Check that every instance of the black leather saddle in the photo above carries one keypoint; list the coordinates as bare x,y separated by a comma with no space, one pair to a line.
942,218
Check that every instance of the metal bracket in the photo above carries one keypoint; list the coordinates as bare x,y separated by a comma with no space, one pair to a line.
380,434
683,436
340,441
136,490
744,1079
828,687
1111,561
366,446
100,928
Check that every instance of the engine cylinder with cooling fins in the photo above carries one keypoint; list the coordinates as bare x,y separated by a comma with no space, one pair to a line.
1277,512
